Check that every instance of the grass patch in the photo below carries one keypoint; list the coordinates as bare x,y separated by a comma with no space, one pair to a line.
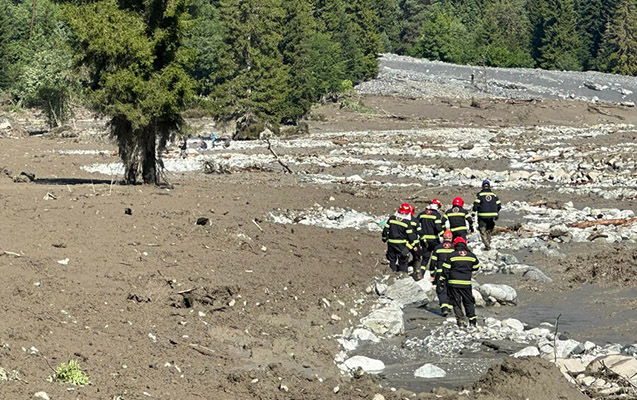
71,373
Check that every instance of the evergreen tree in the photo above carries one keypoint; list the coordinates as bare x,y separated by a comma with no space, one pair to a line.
388,13
619,49
444,37
252,79
594,15
299,28
413,15
503,35
363,23
558,46
137,73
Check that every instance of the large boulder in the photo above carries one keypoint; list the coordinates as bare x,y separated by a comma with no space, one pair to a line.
536,275
385,321
429,371
502,293
530,351
405,292
369,365
564,348
513,323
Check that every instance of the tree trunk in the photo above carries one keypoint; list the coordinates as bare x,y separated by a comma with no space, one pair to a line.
149,158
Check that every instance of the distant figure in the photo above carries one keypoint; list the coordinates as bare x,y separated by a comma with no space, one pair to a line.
473,77
213,137
457,272
203,145
184,147
399,236
458,218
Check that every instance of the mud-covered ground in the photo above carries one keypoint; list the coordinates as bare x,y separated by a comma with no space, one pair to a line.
155,306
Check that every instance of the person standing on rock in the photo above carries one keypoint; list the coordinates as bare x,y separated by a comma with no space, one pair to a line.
399,236
439,257
430,229
458,219
487,206
457,273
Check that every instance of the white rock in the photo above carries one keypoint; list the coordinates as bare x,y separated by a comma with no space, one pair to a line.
513,324
41,396
539,332
573,366
364,335
385,321
348,345
478,297
502,293
492,322
380,288
64,261
429,371
405,292
530,351
369,365
564,348
586,380
378,396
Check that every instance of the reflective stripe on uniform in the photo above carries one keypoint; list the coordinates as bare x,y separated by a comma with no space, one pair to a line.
486,194
439,271
458,282
456,215
445,265
452,259
409,231
477,266
488,214
429,237
398,223
459,228
397,241
431,216
473,318
446,251
445,305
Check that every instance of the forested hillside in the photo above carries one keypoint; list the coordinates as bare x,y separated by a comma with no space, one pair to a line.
272,59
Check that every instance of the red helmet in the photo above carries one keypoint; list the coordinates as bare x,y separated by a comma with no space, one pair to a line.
437,202
459,240
404,209
458,202
447,236
412,208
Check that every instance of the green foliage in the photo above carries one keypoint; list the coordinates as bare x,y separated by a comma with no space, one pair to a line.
136,72
619,49
593,16
503,35
444,37
71,373
557,43
388,13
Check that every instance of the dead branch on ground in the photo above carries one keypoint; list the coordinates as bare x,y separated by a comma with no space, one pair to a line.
284,165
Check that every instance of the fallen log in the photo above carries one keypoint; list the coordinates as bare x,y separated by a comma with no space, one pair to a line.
604,222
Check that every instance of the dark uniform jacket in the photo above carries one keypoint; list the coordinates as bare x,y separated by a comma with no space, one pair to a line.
439,256
460,266
399,231
458,217
430,224
487,204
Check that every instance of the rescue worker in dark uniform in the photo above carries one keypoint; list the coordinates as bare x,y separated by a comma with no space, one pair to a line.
430,229
439,256
458,218
416,251
487,206
457,273
399,236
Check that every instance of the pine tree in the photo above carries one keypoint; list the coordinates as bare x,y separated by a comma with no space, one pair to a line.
444,37
363,23
594,15
558,46
413,15
619,49
503,35
388,13
137,73
252,79
299,28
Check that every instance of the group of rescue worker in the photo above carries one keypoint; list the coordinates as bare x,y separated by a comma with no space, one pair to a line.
437,242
